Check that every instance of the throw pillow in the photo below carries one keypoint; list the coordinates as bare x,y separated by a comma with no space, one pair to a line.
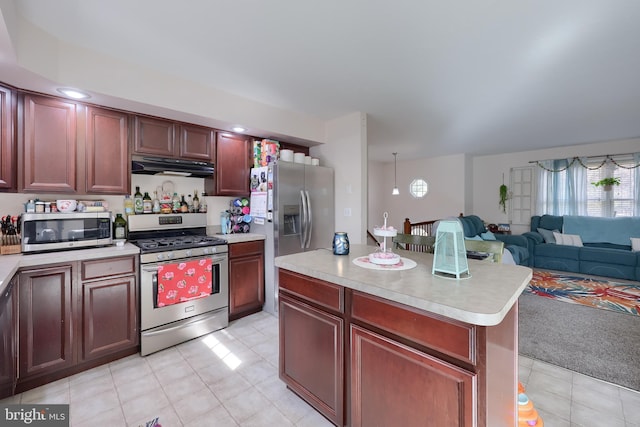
488,236
473,238
547,235
635,244
567,239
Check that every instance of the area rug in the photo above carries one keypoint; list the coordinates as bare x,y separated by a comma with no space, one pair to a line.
600,343
590,291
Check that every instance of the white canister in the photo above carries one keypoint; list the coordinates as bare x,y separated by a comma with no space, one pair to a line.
286,155
298,158
307,160
315,162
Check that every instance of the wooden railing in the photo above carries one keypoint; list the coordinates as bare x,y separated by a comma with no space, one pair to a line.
423,228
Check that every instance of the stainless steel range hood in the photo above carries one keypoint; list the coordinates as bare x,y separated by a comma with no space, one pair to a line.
164,166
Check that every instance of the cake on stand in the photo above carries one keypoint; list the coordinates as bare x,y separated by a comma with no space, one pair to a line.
384,255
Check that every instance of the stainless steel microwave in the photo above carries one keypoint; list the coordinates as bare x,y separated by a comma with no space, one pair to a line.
61,231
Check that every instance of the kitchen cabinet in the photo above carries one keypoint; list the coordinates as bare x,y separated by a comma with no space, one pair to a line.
45,321
166,138
362,360
75,316
8,340
246,278
8,170
48,142
233,165
312,325
106,145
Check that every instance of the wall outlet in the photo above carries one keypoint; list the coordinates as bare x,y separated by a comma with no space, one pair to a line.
347,211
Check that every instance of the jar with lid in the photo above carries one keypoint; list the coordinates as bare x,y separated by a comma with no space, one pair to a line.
340,243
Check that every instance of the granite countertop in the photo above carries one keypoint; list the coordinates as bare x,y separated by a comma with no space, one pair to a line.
239,237
483,299
9,264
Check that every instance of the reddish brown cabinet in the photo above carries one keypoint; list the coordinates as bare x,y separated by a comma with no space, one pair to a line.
46,321
48,145
8,339
196,142
8,168
233,164
246,278
106,145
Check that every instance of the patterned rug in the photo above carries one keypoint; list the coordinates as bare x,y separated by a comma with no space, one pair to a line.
593,292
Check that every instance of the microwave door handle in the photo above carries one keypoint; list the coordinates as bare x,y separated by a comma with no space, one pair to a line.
303,231
309,219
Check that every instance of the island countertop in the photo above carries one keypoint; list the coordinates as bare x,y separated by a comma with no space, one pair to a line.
483,299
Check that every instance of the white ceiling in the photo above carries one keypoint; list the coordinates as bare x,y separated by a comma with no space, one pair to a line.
435,77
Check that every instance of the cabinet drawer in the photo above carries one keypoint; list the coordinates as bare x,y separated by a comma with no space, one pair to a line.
323,293
246,248
97,268
456,339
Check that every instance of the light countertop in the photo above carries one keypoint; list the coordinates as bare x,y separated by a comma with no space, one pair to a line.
9,264
483,299
239,237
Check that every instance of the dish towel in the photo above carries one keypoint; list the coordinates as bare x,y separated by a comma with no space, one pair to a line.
184,281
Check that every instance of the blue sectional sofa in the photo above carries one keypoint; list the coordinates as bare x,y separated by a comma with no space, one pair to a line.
603,248
473,228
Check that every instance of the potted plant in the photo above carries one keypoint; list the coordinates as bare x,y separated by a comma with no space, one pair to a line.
607,183
504,196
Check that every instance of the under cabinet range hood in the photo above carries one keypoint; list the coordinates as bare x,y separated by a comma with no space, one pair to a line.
176,167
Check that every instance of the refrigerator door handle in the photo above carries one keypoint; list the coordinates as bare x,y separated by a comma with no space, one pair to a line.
303,232
309,220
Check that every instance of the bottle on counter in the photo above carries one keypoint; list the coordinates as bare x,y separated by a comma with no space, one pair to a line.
190,203
176,203
128,205
138,206
119,227
196,202
184,207
147,203
203,204
156,203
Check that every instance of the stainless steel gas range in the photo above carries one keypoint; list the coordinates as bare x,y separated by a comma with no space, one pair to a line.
184,279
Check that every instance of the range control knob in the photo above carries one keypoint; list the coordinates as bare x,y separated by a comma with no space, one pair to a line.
160,257
170,255
189,252
205,250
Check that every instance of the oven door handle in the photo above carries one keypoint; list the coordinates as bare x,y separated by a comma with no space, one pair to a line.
214,260
173,328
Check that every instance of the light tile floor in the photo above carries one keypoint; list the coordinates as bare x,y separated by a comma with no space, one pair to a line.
230,378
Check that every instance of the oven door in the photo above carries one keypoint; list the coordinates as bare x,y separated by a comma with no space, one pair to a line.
154,312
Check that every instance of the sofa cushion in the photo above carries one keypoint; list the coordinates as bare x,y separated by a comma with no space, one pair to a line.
567,239
558,251
551,222
547,235
518,253
608,230
608,256
472,225
488,236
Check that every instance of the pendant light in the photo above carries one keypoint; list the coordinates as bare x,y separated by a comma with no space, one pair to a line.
395,191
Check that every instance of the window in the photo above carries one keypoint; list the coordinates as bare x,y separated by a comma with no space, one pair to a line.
418,188
618,201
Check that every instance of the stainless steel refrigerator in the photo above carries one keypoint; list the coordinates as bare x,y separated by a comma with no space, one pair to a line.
299,215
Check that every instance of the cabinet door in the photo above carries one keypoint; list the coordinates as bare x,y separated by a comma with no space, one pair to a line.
48,154
312,357
154,137
233,164
392,384
45,321
7,142
196,142
8,329
246,283
109,317
107,153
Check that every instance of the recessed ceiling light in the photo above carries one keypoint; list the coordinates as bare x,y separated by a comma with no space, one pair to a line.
73,93
238,129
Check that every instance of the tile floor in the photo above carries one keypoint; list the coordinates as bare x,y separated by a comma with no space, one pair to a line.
230,378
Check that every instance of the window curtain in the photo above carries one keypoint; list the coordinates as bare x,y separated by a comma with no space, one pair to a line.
562,188
636,183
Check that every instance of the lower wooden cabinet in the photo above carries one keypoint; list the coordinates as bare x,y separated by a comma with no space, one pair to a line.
8,340
246,278
75,316
312,356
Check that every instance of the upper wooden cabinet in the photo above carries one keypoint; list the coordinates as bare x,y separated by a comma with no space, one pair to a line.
165,138
7,141
233,164
107,154
48,150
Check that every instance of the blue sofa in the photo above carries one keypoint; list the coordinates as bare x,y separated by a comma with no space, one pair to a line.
605,251
473,228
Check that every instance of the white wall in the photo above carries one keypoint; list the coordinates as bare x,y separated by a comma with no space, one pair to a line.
346,152
487,173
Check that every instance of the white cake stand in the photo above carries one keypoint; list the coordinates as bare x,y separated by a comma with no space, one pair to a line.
384,255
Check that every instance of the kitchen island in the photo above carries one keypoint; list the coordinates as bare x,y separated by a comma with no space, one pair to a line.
400,347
